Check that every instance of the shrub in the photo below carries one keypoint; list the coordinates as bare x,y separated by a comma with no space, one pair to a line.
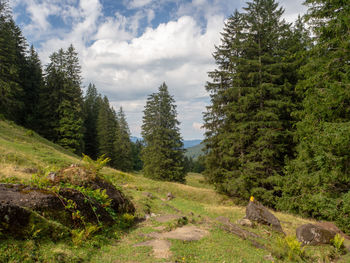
289,248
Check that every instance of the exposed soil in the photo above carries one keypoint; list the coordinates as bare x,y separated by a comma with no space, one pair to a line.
160,244
167,218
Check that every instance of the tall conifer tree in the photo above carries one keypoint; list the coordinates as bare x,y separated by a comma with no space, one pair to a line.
318,179
91,109
61,101
12,62
249,123
163,152
32,89
122,144
107,126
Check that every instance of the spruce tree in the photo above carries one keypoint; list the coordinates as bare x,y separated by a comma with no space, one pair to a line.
61,101
32,89
12,62
163,152
122,145
91,109
318,179
249,127
136,149
106,129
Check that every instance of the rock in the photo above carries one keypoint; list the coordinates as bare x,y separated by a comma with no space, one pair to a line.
235,229
120,203
170,196
240,232
257,212
310,234
13,217
54,205
148,194
332,227
269,257
30,170
22,223
52,177
245,222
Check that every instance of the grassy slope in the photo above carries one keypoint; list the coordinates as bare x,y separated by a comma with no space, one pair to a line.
20,149
195,151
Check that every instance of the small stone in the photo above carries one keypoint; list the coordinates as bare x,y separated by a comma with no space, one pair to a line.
269,257
170,196
149,195
51,176
245,222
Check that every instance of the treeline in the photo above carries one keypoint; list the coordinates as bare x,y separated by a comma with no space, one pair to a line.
278,126
50,100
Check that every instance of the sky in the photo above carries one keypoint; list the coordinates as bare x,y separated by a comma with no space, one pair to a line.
128,48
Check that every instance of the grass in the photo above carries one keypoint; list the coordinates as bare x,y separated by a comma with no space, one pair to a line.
198,201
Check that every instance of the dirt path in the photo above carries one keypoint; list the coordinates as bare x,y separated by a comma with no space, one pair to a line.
160,243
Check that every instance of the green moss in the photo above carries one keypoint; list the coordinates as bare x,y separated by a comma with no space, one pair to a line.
41,227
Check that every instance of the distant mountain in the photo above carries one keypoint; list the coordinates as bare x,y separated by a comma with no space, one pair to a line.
187,143
195,151
191,143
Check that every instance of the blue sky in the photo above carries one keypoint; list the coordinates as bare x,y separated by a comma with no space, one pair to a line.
129,47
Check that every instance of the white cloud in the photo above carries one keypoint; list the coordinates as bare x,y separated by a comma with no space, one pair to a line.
138,3
197,126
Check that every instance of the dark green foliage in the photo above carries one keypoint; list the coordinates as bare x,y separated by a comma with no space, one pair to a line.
136,148
249,127
163,152
12,63
61,101
122,144
194,166
32,88
106,129
318,179
91,109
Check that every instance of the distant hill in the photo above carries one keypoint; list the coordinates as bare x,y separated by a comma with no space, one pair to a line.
187,143
191,143
195,151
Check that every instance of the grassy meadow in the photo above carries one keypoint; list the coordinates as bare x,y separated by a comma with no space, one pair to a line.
22,150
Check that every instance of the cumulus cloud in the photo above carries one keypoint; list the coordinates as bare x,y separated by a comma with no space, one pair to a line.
128,59
197,126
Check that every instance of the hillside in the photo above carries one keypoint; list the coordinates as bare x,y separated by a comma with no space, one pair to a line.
195,151
195,205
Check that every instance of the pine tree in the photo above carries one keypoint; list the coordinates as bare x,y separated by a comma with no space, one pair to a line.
249,127
318,179
163,152
122,144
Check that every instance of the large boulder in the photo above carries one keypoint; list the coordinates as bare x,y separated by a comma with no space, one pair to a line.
53,205
257,212
310,234
67,206
80,176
